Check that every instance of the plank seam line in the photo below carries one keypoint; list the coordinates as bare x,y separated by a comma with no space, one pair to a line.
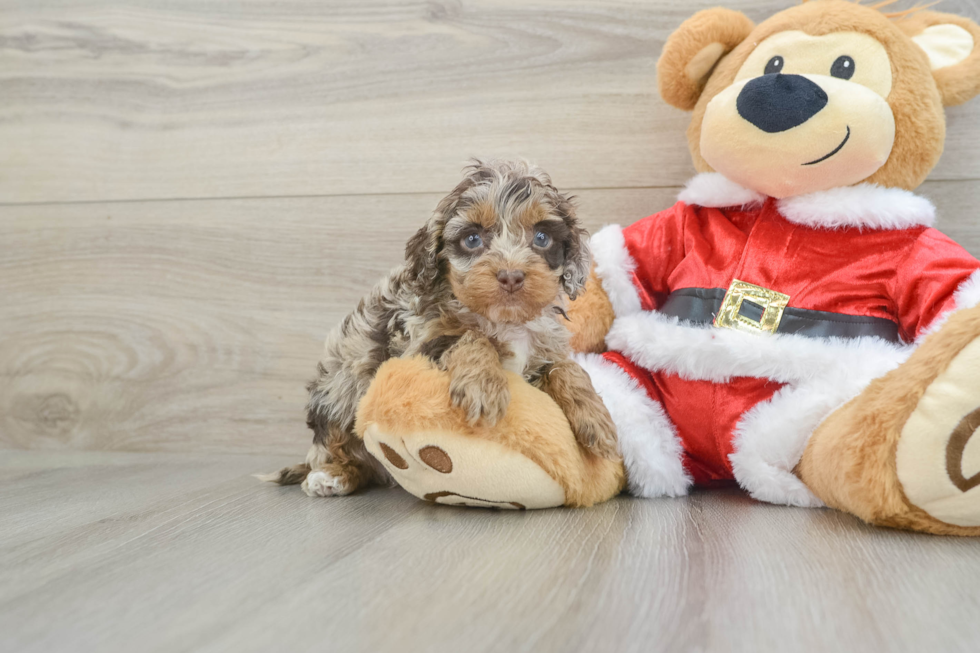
226,198
299,196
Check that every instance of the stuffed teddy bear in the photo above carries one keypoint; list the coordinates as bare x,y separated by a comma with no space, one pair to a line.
794,323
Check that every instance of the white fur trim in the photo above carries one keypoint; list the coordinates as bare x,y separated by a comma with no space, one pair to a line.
659,342
966,296
714,190
614,266
770,439
864,206
821,374
652,452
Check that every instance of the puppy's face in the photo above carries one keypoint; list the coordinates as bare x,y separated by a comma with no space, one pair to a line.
506,258
509,244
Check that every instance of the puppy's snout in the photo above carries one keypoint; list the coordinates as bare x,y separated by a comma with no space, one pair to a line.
511,280
777,102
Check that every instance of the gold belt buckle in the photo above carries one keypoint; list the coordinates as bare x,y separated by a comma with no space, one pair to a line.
773,304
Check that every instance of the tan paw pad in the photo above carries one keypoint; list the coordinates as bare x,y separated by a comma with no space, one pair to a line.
938,455
460,470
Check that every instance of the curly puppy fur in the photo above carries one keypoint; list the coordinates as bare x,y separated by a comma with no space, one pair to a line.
484,288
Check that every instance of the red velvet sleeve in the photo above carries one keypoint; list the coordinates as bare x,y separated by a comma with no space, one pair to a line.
925,283
656,244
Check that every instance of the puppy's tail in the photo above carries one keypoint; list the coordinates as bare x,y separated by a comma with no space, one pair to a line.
286,475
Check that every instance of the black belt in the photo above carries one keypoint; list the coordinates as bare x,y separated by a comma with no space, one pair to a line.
701,305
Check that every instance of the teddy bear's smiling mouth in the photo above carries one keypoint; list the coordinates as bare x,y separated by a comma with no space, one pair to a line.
832,152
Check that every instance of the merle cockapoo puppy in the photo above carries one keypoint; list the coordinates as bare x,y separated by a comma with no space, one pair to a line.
483,290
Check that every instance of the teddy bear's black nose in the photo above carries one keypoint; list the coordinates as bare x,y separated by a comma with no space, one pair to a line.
776,102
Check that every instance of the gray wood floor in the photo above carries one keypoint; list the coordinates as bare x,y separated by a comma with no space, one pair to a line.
192,192
168,552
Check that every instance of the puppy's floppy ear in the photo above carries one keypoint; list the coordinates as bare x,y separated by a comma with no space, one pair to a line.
690,53
422,250
578,256
952,44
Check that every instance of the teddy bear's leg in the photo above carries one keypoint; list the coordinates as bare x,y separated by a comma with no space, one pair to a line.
646,437
906,452
529,459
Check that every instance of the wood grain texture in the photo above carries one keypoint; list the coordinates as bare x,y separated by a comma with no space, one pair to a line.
206,98
174,325
183,326
160,552
317,136
194,325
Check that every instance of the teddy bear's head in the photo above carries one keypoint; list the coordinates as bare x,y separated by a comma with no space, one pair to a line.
825,94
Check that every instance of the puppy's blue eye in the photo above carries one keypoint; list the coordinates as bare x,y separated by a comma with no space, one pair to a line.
541,239
473,241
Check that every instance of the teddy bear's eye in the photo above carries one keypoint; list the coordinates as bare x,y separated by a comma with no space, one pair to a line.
843,67
774,66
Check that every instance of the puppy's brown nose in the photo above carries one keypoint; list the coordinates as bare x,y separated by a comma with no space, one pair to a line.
511,280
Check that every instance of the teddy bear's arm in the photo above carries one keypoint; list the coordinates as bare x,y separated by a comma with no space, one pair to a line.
590,317
632,266
937,278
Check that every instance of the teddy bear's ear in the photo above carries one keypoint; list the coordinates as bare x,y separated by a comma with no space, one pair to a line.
690,53
952,44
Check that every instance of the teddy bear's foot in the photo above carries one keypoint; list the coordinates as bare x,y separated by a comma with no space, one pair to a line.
938,454
528,459
906,452
463,471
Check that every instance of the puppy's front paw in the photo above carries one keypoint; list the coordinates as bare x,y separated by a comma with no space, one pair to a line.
484,397
594,430
322,484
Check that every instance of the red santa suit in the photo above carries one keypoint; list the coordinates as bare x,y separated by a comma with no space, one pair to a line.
865,275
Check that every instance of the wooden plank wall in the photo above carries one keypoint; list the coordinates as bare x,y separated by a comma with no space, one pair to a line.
193,192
